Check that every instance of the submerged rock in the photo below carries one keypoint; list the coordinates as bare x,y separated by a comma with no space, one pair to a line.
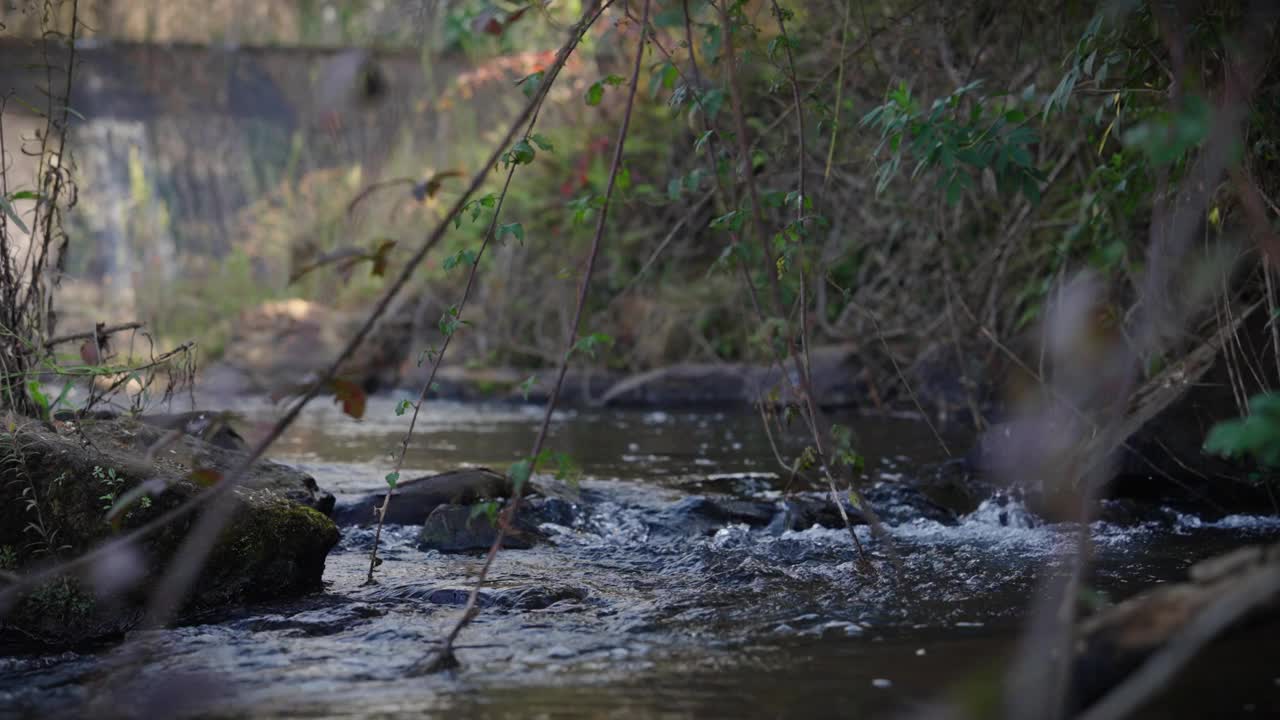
414,500
57,487
893,503
704,515
465,528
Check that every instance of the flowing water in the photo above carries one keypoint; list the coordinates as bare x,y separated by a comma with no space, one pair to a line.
620,614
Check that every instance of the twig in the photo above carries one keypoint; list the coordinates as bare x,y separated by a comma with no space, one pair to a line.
548,78
444,658
109,330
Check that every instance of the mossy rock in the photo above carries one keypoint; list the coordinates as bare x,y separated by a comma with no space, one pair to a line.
57,485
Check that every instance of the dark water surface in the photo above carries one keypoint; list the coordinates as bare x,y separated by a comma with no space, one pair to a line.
615,617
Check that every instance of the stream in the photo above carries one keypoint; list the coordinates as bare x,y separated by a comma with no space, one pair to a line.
618,616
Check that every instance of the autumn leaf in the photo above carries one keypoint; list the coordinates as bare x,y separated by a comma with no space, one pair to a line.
494,22
431,187
345,260
350,395
380,255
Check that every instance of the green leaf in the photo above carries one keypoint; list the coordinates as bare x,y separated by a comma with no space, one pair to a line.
522,153
402,407
519,474
595,94
514,229
488,509
392,479
542,142
527,386
529,83
592,343
38,397
462,256
732,220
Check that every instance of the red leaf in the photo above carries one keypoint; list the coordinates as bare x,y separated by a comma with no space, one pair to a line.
351,395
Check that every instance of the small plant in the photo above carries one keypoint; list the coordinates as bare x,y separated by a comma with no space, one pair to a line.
8,558
111,484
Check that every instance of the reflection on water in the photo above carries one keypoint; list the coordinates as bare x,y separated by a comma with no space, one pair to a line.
617,616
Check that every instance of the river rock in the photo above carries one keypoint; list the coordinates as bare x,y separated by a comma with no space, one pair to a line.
893,503
704,515
214,428
464,528
150,434
414,500
56,486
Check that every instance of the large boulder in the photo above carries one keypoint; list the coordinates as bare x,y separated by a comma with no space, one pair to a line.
58,484
201,442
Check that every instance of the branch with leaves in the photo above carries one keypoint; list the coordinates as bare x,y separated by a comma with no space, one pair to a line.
522,153
520,473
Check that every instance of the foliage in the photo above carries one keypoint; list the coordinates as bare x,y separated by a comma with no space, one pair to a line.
1255,436
962,143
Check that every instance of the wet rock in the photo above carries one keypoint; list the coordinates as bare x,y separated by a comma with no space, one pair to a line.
189,452
898,503
464,528
214,428
894,503
540,598
1127,513
318,622
272,546
704,515
536,511
414,500
801,512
